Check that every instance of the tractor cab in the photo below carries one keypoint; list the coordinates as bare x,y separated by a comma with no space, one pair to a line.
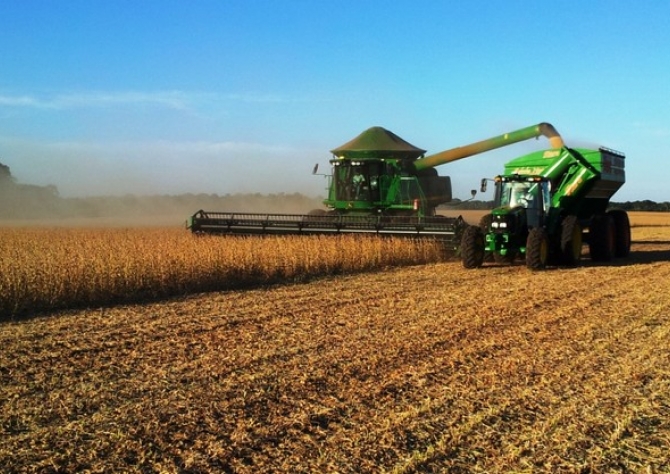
521,198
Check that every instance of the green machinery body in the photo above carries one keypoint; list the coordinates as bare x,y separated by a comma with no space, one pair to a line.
547,204
379,184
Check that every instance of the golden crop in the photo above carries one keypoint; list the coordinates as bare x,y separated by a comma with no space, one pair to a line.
51,268
42,269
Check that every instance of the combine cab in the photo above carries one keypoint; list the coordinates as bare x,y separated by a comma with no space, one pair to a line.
380,184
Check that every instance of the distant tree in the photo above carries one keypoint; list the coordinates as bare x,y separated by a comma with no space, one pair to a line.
5,173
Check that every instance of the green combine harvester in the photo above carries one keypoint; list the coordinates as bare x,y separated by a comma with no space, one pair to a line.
380,184
547,204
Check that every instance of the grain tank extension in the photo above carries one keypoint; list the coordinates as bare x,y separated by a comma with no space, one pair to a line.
547,204
380,184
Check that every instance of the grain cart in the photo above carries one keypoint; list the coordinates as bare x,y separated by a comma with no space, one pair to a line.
380,184
547,204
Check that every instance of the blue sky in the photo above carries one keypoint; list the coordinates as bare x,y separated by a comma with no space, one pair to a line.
166,97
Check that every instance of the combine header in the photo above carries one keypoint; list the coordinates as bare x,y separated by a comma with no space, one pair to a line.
439,227
381,185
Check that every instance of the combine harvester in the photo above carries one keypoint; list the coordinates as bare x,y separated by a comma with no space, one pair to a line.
547,204
380,185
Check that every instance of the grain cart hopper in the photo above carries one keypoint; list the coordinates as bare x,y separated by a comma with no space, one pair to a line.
380,184
546,204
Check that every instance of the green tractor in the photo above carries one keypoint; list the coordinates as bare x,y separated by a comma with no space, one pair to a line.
546,205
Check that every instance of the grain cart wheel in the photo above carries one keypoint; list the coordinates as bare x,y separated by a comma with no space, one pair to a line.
621,232
571,240
472,247
537,249
601,238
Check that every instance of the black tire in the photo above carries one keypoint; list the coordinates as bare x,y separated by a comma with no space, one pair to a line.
621,232
472,247
571,240
601,238
537,249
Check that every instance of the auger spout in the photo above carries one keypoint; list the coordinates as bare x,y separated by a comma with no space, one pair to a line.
458,153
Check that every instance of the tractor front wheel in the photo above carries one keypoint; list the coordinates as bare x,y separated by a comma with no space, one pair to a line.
537,249
472,247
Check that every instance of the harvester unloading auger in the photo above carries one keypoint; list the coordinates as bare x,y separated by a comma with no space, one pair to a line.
380,184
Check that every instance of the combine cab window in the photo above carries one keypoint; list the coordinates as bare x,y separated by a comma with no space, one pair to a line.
358,182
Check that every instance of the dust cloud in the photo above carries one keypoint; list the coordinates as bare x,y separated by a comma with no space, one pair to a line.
153,184
24,204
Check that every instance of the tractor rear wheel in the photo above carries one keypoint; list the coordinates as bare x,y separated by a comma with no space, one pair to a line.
621,232
571,240
472,247
537,249
602,238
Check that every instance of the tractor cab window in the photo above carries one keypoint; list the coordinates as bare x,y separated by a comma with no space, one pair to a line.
534,196
515,194
527,194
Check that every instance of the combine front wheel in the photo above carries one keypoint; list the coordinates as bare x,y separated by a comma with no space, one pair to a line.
472,247
537,249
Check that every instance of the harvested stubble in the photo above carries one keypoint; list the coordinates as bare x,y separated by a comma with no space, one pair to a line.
46,269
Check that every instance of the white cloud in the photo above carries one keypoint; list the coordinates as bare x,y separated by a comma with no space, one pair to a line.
168,99
175,99
20,101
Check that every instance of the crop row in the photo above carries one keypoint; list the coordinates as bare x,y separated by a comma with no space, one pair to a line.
45,269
